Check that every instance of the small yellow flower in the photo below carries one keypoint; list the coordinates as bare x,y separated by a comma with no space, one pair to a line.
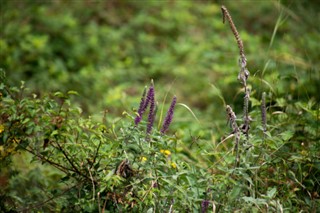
165,152
1,128
143,159
173,165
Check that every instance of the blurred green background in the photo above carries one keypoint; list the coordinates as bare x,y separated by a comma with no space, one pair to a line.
109,50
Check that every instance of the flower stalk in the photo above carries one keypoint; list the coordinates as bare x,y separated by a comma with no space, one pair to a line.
245,127
168,119
141,107
244,72
242,77
235,130
204,206
148,102
151,100
263,112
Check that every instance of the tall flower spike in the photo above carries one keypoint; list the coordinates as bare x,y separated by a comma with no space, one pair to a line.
150,99
226,14
141,106
204,206
235,130
244,73
151,121
232,119
264,112
155,111
168,119
246,118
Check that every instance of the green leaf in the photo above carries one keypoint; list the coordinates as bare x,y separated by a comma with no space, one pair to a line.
59,95
25,120
254,102
234,194
71,92
271,192
286,135
54,132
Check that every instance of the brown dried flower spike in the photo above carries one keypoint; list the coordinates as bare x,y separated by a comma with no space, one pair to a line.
244,73
235,130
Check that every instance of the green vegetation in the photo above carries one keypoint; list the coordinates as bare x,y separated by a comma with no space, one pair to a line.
72,74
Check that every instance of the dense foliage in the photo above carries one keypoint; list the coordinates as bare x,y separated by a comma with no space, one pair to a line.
74,138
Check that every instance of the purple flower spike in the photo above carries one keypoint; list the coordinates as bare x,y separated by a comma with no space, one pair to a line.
150,99
169,116
204,206
140,110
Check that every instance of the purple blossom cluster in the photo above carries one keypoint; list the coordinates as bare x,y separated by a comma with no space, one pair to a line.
141,107
168,119
151,116
148,100
204,206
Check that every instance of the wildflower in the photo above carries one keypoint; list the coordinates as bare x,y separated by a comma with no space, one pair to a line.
264,112
232,119
173,165
154,184
141,107
155,112
1,128
165,152
246,104
150,99
246,118
226,14
204,206
244,72
169,116
143,159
